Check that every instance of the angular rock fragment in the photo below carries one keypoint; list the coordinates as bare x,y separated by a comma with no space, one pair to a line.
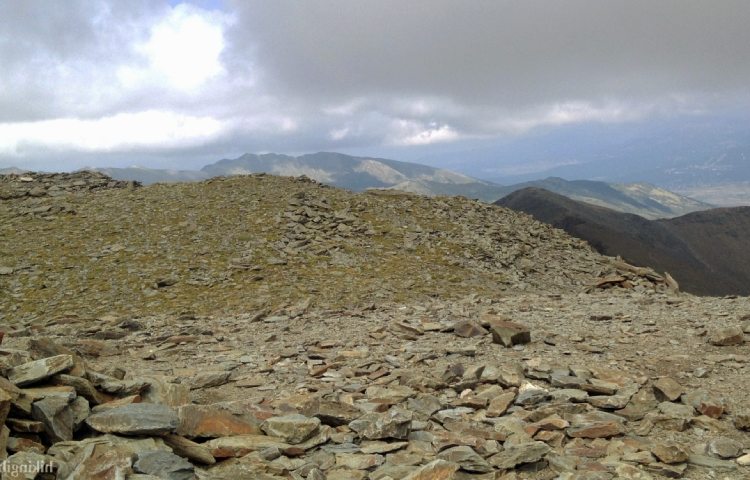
595,425
331,412
395,423
435,470
38,370
46,347
728,336
164,465
82,386
211,421
468,329
359,461
667,389
241,445
724,447
209,379
712,463
706,403
466,458
189,449
509,333
56,416
499,405
669,453
135,419
518,454
292,429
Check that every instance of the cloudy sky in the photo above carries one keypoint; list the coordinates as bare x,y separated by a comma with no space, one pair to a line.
180,84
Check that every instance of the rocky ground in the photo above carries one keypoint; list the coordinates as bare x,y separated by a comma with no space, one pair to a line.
263,242
512,352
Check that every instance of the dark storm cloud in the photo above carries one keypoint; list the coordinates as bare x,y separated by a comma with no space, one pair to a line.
507,53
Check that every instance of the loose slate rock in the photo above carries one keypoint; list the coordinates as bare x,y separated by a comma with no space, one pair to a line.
509,333
725,337
723,447
38,370
467,458
164,465
667,389
669,453
189,449
469,329
518,454
436,470
57,416
241,445
135,419
395,423
291,428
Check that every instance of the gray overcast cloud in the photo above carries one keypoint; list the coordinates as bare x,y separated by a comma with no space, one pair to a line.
146,79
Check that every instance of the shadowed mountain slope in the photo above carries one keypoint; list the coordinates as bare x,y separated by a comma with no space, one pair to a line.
705,251
642,199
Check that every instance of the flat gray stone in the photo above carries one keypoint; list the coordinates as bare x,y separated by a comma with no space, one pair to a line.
164,465
57,417
710,462
38,370
135,419
518,454
291,428
467,458
395,423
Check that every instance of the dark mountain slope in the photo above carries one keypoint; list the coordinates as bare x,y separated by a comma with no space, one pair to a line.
705,251
642,199
720,238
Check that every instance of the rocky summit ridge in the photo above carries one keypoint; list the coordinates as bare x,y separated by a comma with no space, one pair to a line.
272,328
263,242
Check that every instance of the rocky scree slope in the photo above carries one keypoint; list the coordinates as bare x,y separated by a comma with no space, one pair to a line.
263,242
543,360
637,385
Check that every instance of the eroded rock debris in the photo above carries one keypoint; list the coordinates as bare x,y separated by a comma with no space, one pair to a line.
566,374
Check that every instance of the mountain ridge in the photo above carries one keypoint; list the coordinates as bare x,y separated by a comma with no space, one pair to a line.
704,251
362,173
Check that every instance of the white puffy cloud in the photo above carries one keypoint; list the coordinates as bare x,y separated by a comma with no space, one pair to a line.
142,130
182,51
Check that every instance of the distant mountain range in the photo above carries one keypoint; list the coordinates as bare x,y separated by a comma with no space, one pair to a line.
706,252
361,173
707,158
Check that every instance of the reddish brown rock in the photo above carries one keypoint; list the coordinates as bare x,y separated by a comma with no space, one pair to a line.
667,389
469,329
669,453
213,421
509,333
595,425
